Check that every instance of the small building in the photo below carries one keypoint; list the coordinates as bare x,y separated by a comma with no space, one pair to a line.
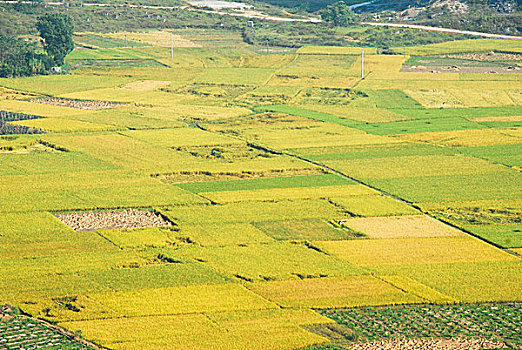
250,24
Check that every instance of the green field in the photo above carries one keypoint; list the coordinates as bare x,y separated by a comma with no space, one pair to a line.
281,201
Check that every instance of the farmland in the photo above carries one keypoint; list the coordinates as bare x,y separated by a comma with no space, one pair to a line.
223,198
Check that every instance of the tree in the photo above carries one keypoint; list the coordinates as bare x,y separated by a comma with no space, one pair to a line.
56,30
19,58
339,14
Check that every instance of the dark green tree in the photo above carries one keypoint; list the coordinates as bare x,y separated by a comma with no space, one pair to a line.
56,30
339,14
19,58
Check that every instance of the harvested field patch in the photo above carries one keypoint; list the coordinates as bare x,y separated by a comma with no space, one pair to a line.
88,105
145,85
332,292
156,38
107,220
401,251
402,227
430,343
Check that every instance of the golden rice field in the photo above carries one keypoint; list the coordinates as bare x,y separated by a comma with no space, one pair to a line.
289,184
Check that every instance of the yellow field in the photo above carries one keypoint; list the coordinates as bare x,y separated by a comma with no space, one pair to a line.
224,234
264,230
402,227
402,251
332,292
255,262
413,166
313,81
416,288
38,109
278,194
275,329
379,63
374,206
435,98
334,50
65,125
465,138
315,135
498,119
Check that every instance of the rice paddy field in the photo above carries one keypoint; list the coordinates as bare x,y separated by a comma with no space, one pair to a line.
285,202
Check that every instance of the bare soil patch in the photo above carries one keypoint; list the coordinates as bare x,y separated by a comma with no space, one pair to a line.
88,105
112,220
495,56
432,344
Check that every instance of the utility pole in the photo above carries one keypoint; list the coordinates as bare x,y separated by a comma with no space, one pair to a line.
362,64
171,46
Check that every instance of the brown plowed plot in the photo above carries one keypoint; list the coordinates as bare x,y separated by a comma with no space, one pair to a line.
433,344
89,105
402,227
110,220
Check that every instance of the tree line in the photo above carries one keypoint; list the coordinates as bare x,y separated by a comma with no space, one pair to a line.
20,57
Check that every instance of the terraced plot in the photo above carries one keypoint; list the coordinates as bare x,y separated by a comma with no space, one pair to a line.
230,195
